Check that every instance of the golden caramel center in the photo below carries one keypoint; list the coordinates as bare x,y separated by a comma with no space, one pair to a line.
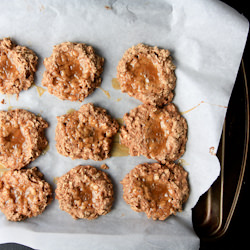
69,66
144,75
156,191
8,70
70,74
157,130
82,196
14,140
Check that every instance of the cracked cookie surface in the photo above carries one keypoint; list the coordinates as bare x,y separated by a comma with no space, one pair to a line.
72,71
156,189
85,192
147,73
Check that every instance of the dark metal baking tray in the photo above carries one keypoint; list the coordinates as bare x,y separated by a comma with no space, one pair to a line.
214,210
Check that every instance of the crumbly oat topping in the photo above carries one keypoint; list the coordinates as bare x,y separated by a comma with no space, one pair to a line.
160,134
22,137
17,67
85,192
72,71
23,194
147,73
86,133
158,190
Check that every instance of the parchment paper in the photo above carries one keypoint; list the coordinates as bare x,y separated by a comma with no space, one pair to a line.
206,39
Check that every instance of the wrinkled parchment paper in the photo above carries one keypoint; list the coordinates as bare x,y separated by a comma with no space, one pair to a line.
206,39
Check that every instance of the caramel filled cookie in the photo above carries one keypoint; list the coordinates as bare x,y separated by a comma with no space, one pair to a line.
85,192
158,190
160,134
86,133
72,71
22,137
147,73
17,67
23,194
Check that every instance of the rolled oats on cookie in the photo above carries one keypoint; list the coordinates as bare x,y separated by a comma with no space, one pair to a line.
85,192
86,133
72,71
24,194
22,137
156,189
147,74
17,67
157,133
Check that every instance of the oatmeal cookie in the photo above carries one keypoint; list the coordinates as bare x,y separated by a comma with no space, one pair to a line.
17,67
86,133
147,73
22,137
72,71
159,134
85,192
23,194
156,189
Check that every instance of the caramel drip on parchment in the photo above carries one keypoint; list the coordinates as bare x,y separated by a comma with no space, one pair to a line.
182,162
46,150
70,111
115,83
55,179
40,90
144,76
117,148
202,102
105,92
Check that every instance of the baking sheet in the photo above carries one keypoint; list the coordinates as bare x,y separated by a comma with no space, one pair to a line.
206,39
